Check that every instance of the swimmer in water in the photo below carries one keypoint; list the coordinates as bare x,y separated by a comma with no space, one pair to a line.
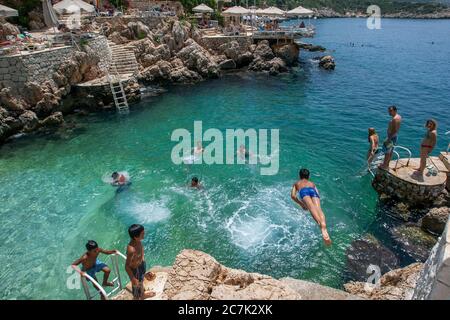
305,193
198,149
195,183
243,153
119,179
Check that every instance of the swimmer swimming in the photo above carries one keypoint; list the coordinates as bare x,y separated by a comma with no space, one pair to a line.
119,179
305,193
195,183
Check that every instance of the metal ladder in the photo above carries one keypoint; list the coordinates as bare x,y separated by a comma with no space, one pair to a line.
120,98
116,86
118,285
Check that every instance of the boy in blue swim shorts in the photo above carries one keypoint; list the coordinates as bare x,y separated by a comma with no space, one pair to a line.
92,265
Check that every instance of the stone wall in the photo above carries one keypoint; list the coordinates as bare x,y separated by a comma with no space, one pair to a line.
16,70
216,42
99,45
434,280
394,187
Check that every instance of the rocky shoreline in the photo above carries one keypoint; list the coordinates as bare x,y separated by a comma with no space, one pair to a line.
414,231
173,52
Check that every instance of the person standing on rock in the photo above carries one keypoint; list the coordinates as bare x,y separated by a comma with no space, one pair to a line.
305,193
135,265
392,136
427,145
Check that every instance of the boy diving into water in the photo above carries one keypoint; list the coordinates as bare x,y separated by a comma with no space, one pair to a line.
91,264
305,193
135,264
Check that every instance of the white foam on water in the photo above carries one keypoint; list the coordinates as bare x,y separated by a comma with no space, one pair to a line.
149,212
269,221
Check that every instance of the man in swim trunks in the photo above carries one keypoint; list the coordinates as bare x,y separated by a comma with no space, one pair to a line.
91,264
392,136
305,193
427,145
135,265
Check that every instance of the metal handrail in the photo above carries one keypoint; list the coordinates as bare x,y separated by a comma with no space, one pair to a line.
398,156
448,147
84,276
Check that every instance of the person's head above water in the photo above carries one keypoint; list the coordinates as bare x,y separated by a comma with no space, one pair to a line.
392,110
91,245
194,181
136,231
115,175
372,131
304,174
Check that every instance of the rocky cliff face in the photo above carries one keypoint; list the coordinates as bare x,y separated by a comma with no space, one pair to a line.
196,275
171,52
397,284
38,106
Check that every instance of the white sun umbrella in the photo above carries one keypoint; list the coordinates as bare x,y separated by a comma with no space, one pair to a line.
50,18
7,11
300,11
273,11
72,6
236,11
202,8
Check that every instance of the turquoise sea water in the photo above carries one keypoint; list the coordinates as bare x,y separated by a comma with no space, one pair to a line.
53,198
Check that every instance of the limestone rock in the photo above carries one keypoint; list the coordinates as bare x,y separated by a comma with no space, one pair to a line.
47,105
287,52
54,120
138,30
7,29
227,64
36,20
397,284
192,277
414,241
368,251
11,102
198,59
196,275
327,63
29,120
311,47
435,220
34,93
263,50
314,291
179,35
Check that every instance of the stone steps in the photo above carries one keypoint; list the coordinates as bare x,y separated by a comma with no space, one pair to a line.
123,59
445,159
